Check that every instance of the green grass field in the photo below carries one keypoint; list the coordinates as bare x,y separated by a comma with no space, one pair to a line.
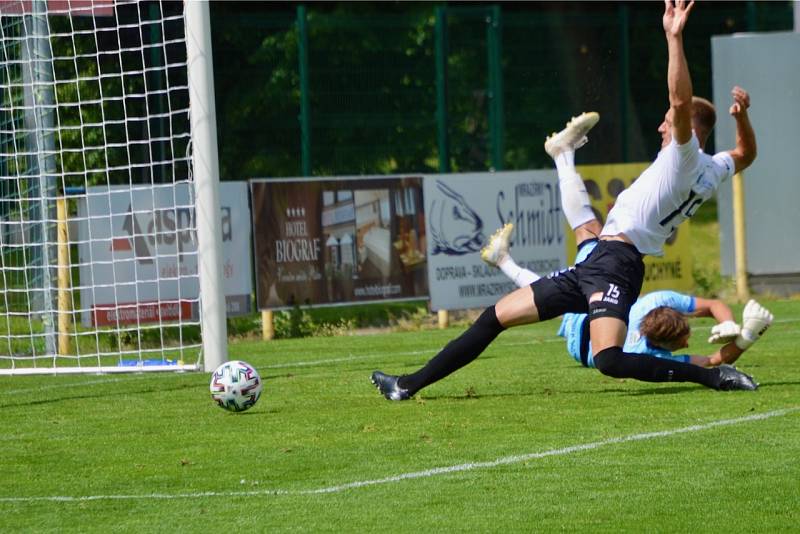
521,440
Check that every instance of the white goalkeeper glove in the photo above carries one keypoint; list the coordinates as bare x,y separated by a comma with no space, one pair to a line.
755,321
724,332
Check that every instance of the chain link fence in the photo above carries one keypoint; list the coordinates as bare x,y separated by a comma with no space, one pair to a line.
354,88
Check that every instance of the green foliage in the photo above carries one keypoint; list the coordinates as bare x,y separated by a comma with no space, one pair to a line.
293,323
706,265
706,283
372,81
151,453
244,326
366,315
298,322
419,319
344,320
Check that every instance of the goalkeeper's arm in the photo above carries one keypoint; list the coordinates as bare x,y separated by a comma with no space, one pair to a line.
755,321
712,308
728,353
726,328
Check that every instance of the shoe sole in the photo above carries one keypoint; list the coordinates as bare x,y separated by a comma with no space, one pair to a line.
378,387
575,130
487,251
384,395
742,382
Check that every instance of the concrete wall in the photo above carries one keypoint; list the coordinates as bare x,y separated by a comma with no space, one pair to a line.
767,65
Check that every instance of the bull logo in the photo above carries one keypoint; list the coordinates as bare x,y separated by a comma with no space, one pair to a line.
456,229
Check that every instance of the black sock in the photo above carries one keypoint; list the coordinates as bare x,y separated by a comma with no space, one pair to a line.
613,362
456,354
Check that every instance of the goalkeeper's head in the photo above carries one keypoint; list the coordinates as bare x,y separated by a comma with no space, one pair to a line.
665,328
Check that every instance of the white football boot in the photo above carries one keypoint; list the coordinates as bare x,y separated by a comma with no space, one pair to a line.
497,248
573,136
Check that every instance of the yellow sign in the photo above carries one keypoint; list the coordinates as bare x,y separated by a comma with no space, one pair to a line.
673,270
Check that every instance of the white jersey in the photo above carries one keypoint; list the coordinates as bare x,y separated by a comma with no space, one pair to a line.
667,193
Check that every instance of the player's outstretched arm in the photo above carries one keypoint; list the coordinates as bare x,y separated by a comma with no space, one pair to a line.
712,308
725,331
679,83
726,328
756,319
745,152
726,354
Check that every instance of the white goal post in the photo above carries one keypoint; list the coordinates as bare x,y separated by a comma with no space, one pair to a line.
110,236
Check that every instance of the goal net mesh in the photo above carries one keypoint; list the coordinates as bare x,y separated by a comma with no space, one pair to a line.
98,263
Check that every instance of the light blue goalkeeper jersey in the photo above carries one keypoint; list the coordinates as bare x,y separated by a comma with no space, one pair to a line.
573,323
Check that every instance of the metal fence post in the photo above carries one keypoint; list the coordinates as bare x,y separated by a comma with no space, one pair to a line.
624,78
305,119
443,138
496,122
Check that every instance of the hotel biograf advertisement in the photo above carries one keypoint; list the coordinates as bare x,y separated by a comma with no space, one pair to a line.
338,240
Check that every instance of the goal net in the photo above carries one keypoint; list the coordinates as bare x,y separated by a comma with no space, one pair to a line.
99,262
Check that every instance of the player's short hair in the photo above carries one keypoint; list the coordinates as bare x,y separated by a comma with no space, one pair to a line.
704,116
664,326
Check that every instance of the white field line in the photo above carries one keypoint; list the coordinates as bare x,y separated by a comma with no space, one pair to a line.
471,466
309,363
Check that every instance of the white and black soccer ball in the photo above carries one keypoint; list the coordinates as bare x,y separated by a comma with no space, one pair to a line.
236,386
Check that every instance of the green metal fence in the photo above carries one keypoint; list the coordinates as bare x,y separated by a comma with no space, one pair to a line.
352,88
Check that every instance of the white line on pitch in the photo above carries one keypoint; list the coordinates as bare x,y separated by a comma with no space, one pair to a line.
472,466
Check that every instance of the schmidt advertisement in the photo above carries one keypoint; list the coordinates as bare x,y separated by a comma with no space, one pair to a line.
464,210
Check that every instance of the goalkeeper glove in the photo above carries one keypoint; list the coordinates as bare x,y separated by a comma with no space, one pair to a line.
755,321
724,332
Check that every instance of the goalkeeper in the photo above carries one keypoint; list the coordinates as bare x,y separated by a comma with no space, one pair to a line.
657,321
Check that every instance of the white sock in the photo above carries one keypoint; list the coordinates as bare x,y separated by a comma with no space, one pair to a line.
565,162
574,198
520,276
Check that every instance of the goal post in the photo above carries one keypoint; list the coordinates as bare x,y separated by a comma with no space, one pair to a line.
110,235
206,182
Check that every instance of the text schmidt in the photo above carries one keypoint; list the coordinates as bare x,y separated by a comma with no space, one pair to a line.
535,210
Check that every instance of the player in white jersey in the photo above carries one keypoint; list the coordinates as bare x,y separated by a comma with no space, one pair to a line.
657,321
667,193
608,282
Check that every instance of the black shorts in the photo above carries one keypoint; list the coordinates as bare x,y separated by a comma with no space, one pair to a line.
614,271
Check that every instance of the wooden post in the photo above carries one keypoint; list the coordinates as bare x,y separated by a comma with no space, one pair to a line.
64,304
739,241
267,325
444,319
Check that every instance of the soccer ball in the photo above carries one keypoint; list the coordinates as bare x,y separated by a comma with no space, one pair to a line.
236,386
